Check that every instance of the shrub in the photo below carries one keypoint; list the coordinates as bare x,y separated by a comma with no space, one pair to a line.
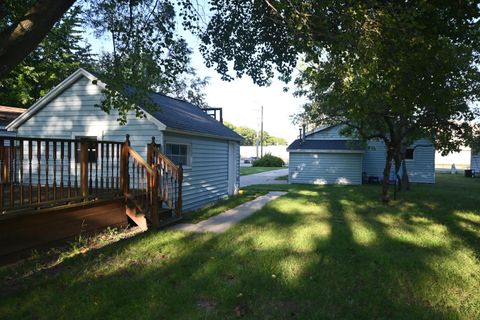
268,161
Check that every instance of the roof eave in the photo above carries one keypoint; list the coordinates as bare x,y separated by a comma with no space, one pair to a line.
325,151
52,94
202,134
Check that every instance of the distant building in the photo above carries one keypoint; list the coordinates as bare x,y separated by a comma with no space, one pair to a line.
325,156
7,115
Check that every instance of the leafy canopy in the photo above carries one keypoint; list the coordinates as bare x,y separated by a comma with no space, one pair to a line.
63,51
251,136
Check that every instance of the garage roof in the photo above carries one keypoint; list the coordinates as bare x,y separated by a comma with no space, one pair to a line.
326,145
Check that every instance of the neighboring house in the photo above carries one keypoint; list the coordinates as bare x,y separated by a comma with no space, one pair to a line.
475,161
208,150
325,156
7,115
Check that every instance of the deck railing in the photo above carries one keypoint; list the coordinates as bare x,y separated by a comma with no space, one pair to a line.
43,173
153,184
39,172
169,176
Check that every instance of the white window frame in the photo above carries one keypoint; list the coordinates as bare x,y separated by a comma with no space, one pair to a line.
189,151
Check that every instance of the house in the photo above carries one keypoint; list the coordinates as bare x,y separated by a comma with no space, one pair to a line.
475,161
7,115
325,156
208,150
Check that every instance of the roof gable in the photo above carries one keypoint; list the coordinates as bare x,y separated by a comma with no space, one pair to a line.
300,145
173,114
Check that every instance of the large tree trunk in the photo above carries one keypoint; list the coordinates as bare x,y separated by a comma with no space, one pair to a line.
386,173
23,37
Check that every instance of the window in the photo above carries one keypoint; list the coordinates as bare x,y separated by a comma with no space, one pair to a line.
409,154
92,149
178,153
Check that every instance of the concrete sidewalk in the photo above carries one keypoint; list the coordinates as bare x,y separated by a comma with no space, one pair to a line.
267,177
222,222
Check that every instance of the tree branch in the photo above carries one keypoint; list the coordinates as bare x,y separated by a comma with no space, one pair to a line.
17,41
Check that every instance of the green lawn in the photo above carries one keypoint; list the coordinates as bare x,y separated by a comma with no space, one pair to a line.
317,253
251,170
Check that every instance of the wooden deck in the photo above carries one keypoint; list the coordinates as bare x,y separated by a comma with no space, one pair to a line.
53,190
22,233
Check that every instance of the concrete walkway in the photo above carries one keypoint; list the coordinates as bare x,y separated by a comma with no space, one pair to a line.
267,177
222,222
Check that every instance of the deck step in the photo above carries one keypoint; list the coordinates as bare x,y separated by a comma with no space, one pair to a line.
138,218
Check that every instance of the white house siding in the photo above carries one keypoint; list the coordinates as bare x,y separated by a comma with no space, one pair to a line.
331,133
421,169
73,113
325,168
206,178
475,162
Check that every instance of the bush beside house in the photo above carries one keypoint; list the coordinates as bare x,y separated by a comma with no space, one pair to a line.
268,161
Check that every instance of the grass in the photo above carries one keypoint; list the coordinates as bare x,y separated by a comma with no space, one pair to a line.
319,252
252,170
221,206
282,178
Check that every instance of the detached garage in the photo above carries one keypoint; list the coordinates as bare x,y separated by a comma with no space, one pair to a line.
325,161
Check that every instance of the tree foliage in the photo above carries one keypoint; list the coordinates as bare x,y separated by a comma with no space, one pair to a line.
250,136
63,51
146,54
391,70
23,25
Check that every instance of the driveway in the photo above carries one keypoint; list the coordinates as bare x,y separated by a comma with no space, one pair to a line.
263,178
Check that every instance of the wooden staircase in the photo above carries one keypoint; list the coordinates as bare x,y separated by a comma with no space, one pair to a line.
71,187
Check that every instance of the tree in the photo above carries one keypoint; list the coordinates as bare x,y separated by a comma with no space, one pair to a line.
390,70
57,56
147,53
24,24
249,136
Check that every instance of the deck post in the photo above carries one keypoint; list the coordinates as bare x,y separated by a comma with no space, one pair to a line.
124,166
178,208
153,185
84,168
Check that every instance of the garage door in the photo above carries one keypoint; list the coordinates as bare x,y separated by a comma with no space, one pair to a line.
325,168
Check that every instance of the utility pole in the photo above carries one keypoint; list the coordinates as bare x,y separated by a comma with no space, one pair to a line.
261,133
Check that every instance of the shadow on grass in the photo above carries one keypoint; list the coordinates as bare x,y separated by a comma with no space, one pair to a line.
318,252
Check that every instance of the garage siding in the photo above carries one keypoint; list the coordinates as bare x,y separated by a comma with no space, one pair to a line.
325,168
420,170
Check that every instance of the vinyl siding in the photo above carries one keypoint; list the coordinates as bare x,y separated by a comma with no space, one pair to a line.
206,178
331,133
73,113
475,162
325,168
420,170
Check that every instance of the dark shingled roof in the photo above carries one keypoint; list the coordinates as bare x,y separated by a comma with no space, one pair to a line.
185,116
326,145
182,115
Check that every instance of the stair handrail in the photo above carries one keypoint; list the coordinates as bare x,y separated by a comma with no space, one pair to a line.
169,185
146,201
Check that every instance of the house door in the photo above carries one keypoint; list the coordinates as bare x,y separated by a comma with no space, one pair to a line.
232,169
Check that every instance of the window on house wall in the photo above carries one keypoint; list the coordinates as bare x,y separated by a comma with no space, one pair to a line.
409,154
178,153
92,148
